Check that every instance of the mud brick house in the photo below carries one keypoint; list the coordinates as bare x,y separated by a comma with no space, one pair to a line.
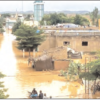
80,41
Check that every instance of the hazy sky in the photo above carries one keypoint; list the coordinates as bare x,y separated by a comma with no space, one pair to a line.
50,5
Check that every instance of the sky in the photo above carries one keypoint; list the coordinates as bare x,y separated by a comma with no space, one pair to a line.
50,5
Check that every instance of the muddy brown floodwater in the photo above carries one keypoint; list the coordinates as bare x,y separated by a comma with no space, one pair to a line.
21,78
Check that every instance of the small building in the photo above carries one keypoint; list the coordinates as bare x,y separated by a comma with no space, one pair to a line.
30,23
36,23
10,23
20,17
47,63
43,63
70,26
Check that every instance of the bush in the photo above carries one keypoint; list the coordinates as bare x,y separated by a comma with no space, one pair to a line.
73,71
2,89
92,53
1,30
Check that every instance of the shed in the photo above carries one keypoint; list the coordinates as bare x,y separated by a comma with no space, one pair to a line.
43,63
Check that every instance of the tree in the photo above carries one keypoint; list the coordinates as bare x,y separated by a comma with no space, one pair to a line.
70,20
77,20
16,26
6,15
94,69
28,17
80,20
1,24
73,70
53,19
94,16
96,12
46,18
28,38
62,18
94,72
2,89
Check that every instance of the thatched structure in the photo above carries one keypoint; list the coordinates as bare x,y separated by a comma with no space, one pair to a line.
73,54
43,63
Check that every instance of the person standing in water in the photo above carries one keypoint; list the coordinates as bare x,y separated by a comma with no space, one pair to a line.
41,95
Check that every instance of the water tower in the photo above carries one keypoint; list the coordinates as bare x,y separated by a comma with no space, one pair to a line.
38,10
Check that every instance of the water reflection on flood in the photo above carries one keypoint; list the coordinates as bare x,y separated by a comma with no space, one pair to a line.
22,78
7,57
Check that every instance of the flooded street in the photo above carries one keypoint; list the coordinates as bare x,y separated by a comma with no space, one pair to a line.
21,78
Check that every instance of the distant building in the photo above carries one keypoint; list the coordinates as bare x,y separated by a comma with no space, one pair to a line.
67,25
70,26
10,23
20,17
38,10
30,23
36,23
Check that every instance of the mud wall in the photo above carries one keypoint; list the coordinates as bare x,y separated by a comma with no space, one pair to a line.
61,65
44,65
50,42
75,43
60,54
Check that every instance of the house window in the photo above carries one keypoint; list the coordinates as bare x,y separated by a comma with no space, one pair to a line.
66,43
84,43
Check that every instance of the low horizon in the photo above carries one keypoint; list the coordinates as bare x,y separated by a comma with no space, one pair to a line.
47,10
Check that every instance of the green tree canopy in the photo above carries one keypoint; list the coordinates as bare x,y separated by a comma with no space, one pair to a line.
27,17
94,71
16,26
94,16
62,18
53,19
80,20
73,70
6,15
1,24
28,38
2,89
